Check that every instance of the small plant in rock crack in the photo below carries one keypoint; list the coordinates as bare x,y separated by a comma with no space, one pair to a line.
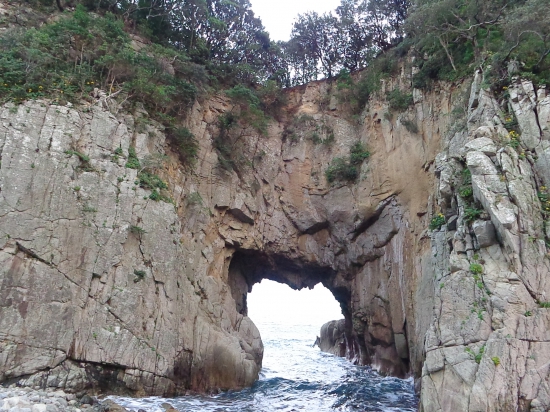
89,209
437,221
466,177
140,275
341,169
496,360
477,356
476,269
466,192
544,199
136,230
471,214
81,156
514,139
410,125
545,305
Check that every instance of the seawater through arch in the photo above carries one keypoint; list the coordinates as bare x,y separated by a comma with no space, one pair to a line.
296,376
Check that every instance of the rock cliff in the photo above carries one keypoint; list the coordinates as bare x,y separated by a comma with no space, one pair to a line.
104,288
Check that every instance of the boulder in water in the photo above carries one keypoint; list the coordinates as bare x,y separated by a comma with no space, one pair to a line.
333,339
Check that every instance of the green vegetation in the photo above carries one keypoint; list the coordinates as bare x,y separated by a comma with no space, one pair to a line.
410,125
250,107
186,146
133,161
437,221
151,181
81,156
466,192
89,209
496,360
514,141
476,268
140,275
65,60
457,35
137,230
399,100
157,197
544,199
477,356
347,170
471,214
545,305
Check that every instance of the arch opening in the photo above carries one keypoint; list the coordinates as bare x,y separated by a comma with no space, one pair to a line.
368,334
250,268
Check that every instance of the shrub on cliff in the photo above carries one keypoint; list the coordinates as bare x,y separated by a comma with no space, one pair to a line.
185,143
67,59
347,170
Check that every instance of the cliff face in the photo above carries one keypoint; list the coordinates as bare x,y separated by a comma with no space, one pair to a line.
102,287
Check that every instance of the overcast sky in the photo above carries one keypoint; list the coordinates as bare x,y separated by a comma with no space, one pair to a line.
278,15
276,302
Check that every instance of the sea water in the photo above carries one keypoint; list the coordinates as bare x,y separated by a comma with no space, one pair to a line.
298,377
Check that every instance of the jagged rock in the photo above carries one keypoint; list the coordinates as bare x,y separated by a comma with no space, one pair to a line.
484,145
485,232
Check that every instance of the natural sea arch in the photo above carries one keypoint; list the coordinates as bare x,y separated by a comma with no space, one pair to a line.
249,267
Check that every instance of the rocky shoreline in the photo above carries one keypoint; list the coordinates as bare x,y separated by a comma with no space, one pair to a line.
25,399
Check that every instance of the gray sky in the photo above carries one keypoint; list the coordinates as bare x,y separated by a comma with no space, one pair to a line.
278,15
275,302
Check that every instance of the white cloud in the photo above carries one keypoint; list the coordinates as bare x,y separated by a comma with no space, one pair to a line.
278,16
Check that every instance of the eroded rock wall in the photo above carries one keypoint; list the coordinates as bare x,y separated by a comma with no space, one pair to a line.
102,287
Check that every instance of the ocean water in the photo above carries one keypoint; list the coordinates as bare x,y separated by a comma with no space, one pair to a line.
298,377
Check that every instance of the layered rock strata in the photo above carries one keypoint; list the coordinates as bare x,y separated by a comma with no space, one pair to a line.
103,287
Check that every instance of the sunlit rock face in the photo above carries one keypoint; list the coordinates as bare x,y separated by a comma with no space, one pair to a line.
103,288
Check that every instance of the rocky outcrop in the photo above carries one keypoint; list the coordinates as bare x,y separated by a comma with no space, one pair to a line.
104,288
487,346
333,337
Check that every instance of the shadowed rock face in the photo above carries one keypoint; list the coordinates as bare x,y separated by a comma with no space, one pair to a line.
333,337
103,288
